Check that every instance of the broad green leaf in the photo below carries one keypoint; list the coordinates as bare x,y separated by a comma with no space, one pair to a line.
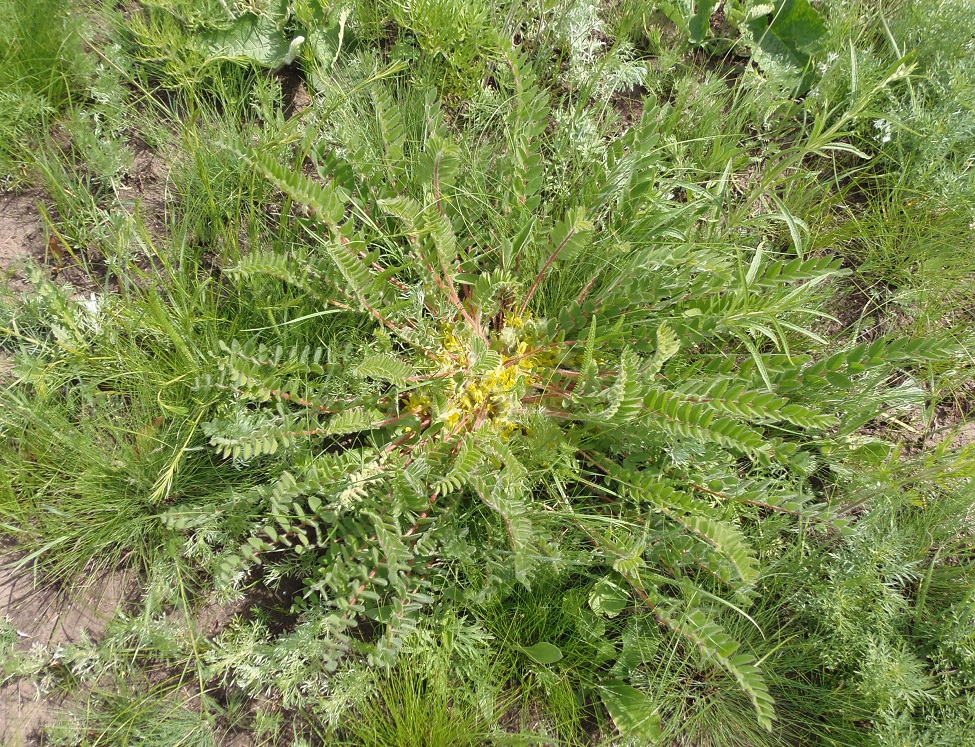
252,38
381,614
872,452
785,38
699,23
632,711
606,598
543,653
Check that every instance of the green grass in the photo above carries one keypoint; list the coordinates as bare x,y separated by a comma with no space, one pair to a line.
41,50
550,593
418,703
41,70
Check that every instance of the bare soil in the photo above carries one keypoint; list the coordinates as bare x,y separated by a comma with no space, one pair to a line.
51,617
22,235
24,714
965,436
146,188
954,421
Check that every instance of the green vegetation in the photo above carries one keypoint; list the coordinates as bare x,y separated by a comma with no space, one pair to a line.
573,373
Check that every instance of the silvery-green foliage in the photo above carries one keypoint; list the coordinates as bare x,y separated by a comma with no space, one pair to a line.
590,383
595,66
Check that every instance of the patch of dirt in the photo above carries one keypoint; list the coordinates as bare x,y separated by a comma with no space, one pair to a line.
532,719
50,617
952,422
861,313
24,714
629,106
964,436
237,740
215,616
296,96
146,186
22,235
55,617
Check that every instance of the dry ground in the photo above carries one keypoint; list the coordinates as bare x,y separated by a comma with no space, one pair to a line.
50,617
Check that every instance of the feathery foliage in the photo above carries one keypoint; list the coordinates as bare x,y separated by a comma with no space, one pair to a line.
542,374
496,364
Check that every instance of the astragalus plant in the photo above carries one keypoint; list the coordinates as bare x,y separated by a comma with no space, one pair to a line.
610,383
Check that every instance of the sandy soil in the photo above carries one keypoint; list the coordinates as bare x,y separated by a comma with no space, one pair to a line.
22,234
50,617
22,237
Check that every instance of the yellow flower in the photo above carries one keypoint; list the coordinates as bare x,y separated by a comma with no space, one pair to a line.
508,377
451,343
417,402
506,429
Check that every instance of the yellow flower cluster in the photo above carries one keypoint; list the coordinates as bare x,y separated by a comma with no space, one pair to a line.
490,388
488,399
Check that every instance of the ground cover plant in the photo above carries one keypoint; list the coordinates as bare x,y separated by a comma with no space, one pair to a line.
493,373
